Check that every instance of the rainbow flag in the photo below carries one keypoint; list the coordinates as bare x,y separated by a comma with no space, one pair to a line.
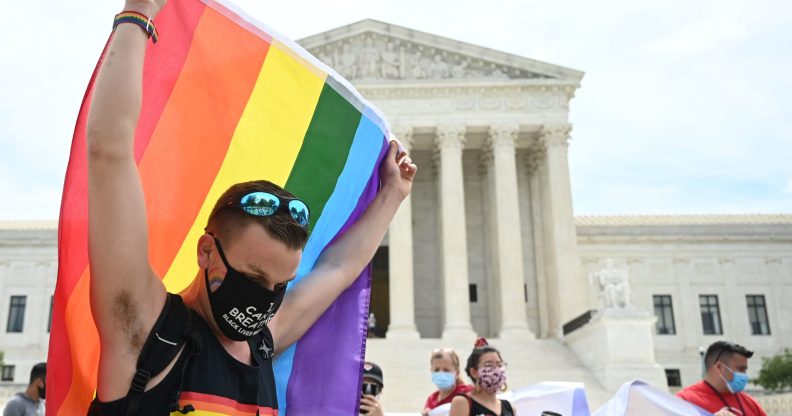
226,100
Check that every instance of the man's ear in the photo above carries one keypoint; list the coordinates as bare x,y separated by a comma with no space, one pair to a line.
205,244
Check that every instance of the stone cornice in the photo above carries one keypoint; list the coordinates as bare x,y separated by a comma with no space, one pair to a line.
683,239
500,88
329,41
715,219
28,225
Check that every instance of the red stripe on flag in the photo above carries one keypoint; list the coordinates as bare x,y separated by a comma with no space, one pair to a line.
203,401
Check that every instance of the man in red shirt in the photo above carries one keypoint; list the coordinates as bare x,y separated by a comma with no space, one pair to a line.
721,390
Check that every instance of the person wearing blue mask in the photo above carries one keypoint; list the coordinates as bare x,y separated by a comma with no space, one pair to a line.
444,364
721,392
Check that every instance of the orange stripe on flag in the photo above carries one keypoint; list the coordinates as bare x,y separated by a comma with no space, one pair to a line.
84,342
196,127
212,403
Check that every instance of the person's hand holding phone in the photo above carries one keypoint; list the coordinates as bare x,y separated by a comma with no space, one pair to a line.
369,405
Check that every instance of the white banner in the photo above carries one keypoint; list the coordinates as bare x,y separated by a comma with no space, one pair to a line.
634,398
567,399
637,398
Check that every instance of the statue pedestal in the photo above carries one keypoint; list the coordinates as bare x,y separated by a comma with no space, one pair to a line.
617,346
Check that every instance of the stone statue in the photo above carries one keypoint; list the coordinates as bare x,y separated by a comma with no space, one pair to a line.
369,67
438,68
497,72
614,286
460,70
346,62
413,69
327,59
390,62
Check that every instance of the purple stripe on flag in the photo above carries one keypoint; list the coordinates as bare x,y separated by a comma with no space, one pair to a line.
328,361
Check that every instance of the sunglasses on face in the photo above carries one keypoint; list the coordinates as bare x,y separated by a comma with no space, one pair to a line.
264,204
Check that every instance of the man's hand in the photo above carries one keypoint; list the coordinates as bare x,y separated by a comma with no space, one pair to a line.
370,404
397,171
148,8
725,412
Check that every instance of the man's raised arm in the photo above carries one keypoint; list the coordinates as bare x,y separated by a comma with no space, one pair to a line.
342,262
126,296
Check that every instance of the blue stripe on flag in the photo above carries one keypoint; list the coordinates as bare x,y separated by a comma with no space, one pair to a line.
363,154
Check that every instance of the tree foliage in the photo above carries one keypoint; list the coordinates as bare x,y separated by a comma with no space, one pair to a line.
776,372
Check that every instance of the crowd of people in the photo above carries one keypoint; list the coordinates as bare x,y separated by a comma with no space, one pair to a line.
720,392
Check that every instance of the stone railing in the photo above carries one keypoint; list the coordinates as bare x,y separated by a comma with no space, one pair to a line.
779,404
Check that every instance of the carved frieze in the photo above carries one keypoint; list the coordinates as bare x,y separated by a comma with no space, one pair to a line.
374,57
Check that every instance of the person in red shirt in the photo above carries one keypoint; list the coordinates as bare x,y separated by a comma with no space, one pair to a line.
721,390
445,375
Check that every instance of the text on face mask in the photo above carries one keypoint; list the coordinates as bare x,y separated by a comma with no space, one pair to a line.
251,319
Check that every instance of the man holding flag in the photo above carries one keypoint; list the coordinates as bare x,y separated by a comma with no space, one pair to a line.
214,355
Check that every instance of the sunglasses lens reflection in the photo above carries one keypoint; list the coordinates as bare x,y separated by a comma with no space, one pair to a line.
299,211
260,204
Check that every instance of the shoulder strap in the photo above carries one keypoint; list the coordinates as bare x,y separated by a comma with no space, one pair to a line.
470,403
173,327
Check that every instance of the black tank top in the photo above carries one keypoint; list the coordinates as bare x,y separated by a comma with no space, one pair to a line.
478,409
213,382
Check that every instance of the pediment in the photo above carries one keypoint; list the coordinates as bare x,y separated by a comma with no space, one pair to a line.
375,52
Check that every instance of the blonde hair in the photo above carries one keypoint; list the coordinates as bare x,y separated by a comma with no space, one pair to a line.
440,353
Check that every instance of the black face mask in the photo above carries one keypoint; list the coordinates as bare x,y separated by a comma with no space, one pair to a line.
241,307
41,391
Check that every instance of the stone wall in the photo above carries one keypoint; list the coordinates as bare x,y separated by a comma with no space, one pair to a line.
28,267
776,404
729,260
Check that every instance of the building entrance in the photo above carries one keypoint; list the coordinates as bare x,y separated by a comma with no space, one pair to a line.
380,293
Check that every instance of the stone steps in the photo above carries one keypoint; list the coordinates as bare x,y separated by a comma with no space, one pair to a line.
405,366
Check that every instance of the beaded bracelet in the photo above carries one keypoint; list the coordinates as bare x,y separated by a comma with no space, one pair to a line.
143,21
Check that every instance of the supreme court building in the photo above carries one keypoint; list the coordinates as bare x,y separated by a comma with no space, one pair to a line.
488,244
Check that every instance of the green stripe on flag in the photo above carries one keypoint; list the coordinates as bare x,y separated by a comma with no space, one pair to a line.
324,151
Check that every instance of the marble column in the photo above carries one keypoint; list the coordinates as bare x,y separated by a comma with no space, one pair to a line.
533,160
450,143
508,238
566,287
400,260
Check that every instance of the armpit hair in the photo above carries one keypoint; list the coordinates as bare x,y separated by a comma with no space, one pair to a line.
127,314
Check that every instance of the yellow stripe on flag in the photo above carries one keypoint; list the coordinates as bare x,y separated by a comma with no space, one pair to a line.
265,144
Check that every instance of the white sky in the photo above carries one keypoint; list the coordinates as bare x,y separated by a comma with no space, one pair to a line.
686,107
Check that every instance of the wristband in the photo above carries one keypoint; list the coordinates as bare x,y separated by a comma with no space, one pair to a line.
141,20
